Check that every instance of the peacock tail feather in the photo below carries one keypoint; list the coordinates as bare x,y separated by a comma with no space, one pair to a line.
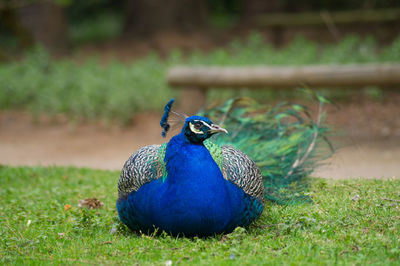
281,140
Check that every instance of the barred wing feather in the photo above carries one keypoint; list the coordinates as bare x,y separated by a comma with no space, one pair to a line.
142,167
238,168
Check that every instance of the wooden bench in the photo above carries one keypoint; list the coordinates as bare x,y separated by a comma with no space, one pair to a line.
195,81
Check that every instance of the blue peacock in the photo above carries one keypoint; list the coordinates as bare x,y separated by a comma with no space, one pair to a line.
194,186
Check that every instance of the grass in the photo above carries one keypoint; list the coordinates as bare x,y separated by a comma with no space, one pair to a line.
117,91
353,222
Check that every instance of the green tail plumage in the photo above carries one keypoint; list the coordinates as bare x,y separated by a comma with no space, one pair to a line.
281,141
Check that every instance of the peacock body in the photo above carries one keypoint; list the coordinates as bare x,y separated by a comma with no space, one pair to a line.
190,186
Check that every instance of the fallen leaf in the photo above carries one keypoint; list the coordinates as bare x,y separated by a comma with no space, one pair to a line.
91,203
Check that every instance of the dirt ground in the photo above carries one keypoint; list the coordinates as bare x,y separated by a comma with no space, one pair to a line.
368,141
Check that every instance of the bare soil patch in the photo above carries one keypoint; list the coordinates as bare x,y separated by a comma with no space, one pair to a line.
368,140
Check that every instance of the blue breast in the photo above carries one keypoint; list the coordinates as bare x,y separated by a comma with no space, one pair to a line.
194,198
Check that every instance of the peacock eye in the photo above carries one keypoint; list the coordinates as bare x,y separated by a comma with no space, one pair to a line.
198,125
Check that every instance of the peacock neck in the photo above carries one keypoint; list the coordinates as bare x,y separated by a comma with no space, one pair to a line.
186,160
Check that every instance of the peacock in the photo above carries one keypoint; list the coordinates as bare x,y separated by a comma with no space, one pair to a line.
196,185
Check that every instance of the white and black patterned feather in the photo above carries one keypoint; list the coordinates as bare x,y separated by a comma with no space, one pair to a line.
142,167
238,168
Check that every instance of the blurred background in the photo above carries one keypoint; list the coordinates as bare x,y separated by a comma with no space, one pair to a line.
83,82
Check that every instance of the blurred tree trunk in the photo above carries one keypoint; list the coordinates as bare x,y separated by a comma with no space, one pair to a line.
146,17
10,20
47,25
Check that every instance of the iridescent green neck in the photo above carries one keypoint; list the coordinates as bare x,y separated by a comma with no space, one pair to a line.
215,151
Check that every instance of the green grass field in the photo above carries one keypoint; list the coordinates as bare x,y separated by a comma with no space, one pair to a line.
355,222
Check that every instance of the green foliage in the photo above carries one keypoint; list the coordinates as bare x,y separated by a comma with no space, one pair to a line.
102,27
118,91
349,222
281,140
89,90
255,51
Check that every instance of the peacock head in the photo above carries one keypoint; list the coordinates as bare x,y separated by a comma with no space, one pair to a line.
198,128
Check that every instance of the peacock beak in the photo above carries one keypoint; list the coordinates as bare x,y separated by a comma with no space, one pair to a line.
217,129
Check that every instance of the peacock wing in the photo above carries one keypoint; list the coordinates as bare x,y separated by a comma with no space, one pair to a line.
238,168
143,166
